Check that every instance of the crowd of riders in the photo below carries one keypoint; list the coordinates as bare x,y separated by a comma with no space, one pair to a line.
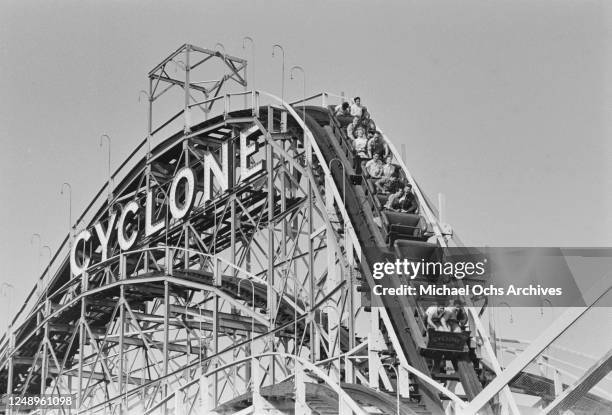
370,147
376,160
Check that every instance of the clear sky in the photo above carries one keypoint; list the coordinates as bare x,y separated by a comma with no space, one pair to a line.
504,106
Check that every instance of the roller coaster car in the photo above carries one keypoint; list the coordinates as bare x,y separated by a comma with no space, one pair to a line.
403,226
381,200
444,342
417,250
345,120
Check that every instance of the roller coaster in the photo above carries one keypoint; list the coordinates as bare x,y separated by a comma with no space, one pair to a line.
226,268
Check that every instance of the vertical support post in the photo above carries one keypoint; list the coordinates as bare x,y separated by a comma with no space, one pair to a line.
45,357
301,407
150,119
403,383
283,123
178,403
258,402
187,111
351,290
207,404
186,228
441,208
9,383
147,190
349,370
246,84
333,334
215,333
373,360
231,183
166,340
271,201
148,165
84,288
143,373
122,406
557,382
492,334
311,280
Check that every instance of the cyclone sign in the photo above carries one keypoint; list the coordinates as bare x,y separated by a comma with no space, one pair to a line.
121,225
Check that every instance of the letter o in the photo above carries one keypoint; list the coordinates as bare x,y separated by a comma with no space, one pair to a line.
184,174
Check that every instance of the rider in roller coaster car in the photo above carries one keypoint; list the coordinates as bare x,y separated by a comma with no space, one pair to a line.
360,144
377,145
402,201
389,167
375,167
342,110
432,316
389,185
351,129
356,108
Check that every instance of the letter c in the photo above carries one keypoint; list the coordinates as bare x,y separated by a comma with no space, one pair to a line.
74,266
126,242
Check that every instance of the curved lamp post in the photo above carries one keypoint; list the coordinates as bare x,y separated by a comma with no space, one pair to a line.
149,100
4,292
397,379
252,305
250,39
546,300
509,308
69,187
108,139
331,347
37,235
48,250
304,92
222,47
178,64
283,71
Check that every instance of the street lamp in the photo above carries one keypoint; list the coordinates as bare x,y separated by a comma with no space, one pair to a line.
36,235
178,64
501,346
295,305
48,250
253,305
546,300
509,308
397,380
331,347
66,184
4,291
142,91
250,39
109,162
222,47
283,71
304,93
42,277
253,315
